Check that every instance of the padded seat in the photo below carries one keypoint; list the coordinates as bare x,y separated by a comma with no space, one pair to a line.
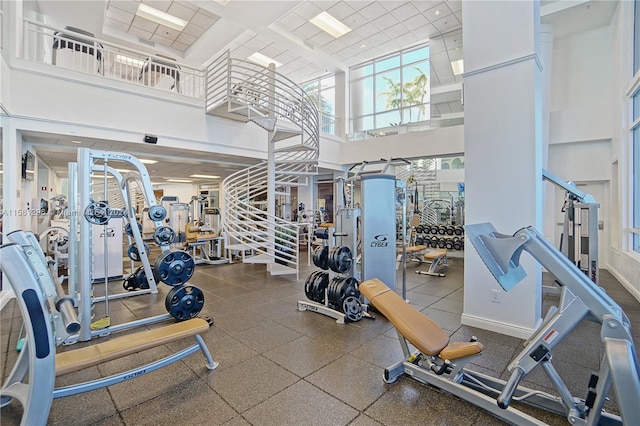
90,356
435,254
413,325
412,249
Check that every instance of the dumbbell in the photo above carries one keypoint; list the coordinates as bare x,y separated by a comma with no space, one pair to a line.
442,230
459,230
450,229
448,244
420,229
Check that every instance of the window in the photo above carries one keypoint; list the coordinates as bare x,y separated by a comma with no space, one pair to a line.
635,135
391,90
322,92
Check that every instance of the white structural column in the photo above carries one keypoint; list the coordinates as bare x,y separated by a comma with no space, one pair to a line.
548,190
503,153
11,177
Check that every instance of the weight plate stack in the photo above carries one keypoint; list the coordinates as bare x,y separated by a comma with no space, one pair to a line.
320,257
321,283
340,259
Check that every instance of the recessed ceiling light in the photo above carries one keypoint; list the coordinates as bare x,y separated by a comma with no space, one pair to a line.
205,176
179,180
328,23
145,161
160,17
263,60
126,60
437,12
362,46
457,67
76,141
222,2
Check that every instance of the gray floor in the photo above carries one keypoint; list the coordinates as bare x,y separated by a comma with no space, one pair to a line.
279,366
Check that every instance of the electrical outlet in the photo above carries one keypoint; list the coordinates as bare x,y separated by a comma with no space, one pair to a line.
496,296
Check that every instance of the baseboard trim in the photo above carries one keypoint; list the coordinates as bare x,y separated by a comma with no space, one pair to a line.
499,327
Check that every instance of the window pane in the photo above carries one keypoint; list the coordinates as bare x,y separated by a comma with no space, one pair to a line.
636,242
386,64
416,113
328,99
636,106
328,82
363,123
636,37
388,91
635,178
388,119
415,79
415,55
362,97
362,71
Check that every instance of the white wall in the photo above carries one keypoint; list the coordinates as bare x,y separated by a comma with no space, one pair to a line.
184,191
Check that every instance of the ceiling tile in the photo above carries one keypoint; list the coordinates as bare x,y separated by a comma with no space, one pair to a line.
307,30
139,32
350,38
243,52
372,11
335,46
367,30
119,15
193,30
321,39
271,51
415,22
437,12
181,11
396,31
162,5
130,6
455,5
307,10
186,39
180,46
446,24
378,38
341,10
384,22
202,20
167,32
285,57
292,21
405,11
162,40
204,11
423,5
117,25
391,5
144,24
255,44
355,20
407,39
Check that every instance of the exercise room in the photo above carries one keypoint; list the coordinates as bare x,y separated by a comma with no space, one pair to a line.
345,212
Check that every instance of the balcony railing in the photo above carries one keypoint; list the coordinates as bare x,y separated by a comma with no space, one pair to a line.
77,50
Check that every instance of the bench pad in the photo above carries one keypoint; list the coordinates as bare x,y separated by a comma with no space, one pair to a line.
89,356
412,249
413,325
435,254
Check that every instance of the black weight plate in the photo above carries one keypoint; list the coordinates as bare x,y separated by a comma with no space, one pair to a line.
157,213
308,285
184,302
163,236
129,231
352,309
320,257
97,213
322,284
174,267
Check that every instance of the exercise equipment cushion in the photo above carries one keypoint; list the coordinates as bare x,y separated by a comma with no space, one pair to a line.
412,249
435,254
89,356
413,325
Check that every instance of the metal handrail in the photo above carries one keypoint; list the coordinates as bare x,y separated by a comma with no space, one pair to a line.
111,60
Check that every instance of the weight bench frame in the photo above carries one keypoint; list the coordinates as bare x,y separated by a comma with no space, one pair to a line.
45,329
436,262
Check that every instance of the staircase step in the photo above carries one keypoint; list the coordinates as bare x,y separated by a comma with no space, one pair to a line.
278,269
259,258
267,123
296,173
284,183
295,147
284,134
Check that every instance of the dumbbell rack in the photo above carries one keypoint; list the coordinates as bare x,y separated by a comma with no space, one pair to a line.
360,310
450,237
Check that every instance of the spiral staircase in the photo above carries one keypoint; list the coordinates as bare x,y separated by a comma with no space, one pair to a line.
243,91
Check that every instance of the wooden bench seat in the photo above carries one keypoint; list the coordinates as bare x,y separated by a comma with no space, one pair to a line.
89,356
435,254
413,325
412,249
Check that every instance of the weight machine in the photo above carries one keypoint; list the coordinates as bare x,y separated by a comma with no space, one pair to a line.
442,363
174,268
50,319
579,239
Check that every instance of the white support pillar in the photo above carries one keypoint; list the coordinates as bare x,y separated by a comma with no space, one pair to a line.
548,191
11,177
503,153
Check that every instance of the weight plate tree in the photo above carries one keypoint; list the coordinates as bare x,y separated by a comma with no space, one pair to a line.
174,267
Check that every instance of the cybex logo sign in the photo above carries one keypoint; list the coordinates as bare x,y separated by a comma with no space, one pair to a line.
380,241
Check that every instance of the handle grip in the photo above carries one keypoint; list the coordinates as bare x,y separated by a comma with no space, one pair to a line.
510,387
64,305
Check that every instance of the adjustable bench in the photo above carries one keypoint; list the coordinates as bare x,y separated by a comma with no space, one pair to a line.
412,253
438,257
415,327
